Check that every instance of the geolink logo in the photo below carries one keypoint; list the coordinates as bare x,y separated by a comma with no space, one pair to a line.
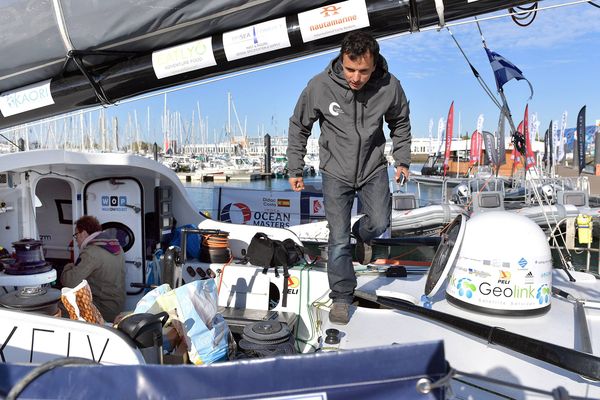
543,294
335,109
240,214
465,288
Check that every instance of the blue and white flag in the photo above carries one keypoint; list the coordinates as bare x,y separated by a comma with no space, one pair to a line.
504,70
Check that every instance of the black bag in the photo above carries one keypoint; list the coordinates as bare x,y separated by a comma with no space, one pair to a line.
260,251
294,252
268,253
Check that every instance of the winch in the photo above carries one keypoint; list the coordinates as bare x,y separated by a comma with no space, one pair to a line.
29,259
267,339
33,299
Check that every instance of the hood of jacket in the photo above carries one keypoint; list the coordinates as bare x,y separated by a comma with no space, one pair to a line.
336,73
103,240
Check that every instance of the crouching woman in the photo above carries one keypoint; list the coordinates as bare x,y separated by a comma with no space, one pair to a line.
102,263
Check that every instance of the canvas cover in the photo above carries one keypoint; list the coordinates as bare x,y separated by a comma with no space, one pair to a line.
113,40
389,372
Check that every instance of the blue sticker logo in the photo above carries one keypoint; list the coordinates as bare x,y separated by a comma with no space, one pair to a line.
522,263
465,287
114,203
543,294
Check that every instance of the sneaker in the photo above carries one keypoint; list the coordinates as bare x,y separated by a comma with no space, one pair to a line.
363,251
339,313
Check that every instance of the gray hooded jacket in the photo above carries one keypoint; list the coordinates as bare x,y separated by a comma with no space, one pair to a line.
351,145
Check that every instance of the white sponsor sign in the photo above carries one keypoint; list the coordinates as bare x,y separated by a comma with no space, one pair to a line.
260,207
333,19
26,98
183,58
256,39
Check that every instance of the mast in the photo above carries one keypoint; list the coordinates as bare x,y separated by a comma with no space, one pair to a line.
81,131
137,132
115,126
228,114
90,132
102,131
148,133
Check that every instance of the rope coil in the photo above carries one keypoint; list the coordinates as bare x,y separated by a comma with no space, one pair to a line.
215,247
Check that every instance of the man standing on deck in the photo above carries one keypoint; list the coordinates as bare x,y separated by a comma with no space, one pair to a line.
350,99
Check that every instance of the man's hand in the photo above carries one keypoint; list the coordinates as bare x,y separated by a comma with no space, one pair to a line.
401,171
297,184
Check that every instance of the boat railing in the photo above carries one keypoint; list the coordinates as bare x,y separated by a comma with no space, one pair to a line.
423,192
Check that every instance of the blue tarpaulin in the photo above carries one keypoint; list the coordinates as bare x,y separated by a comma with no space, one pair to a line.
389,372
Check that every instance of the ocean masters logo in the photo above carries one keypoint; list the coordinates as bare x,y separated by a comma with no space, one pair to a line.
239,208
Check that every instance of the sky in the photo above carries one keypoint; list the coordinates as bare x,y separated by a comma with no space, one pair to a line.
559,53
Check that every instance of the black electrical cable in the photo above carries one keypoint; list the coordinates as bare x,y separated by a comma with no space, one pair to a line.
531,13
42,369
593,4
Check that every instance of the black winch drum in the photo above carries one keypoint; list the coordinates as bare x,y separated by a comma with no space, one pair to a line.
39,300
29,259
267,338
29,252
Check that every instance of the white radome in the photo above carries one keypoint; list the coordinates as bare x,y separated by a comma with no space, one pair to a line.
504,266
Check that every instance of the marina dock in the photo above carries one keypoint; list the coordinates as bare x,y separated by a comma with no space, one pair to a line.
225,177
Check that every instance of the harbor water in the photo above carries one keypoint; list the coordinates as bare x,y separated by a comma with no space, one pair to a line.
202,193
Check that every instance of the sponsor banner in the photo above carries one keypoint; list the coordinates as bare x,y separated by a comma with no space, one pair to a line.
26,98
256,39
449,128
262,208
333,19
183,58
317,207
